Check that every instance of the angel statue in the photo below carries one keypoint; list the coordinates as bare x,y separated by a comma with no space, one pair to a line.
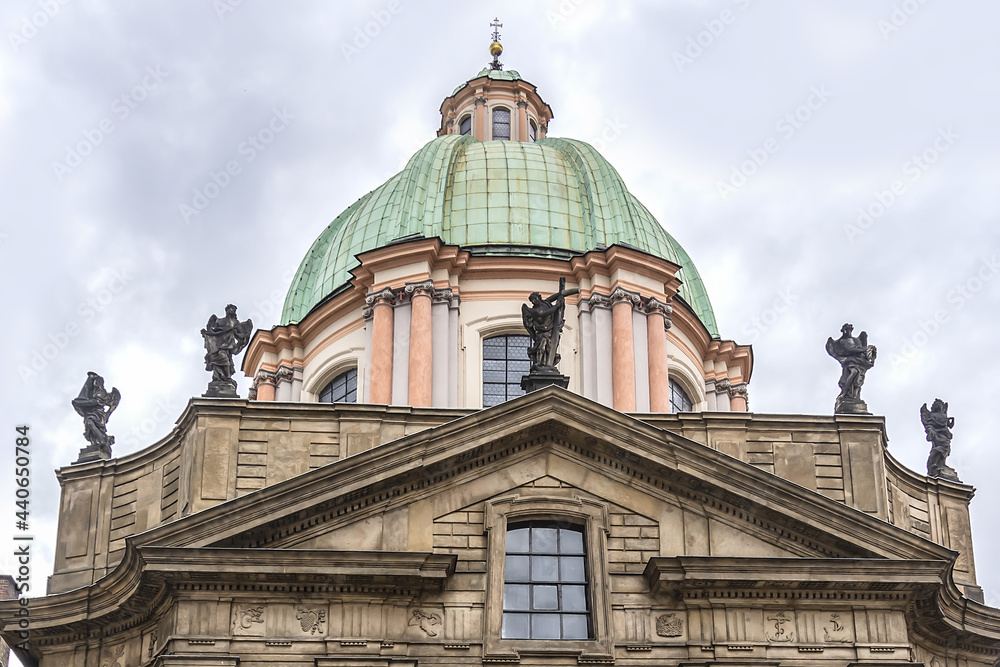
544,320
938,425
856,356
224,337
95,404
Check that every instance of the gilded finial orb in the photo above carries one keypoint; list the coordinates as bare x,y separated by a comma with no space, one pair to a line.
496,49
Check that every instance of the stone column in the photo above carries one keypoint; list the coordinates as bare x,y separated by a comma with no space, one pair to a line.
657,322
480,119
623,350
522,120
738,397
381,368
421,357
263,389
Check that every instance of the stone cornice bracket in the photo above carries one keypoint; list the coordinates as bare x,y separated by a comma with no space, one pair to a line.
620,294
480,100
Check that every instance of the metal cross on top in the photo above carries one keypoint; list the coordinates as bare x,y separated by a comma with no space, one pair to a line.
495,47
496,25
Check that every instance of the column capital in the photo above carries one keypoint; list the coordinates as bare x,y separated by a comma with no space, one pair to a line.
739,392
480,101
385,297
522,104
620,295
263,377
284,374
423,288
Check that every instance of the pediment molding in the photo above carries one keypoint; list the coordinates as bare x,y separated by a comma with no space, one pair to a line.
413,467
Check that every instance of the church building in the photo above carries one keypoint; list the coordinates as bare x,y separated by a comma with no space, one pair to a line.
390,496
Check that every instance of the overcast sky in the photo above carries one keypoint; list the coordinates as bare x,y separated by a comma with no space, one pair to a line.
756,132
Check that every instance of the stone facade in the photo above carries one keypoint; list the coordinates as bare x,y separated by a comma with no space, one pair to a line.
376,535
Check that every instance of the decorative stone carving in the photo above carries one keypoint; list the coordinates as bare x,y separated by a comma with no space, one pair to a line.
284,374
653,306
386,296
856,356
153,638
224,337
428,622
311,619
937,426
413,289
480,101
244,618
262,376
114,655
669,625
620,294
835,631
780,632
95,404
522,104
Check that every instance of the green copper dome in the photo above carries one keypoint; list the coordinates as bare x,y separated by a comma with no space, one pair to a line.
552,198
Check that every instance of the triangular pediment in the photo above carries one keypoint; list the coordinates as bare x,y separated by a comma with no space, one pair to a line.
547,437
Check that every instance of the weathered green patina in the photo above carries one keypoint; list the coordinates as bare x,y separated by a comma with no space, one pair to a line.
550,198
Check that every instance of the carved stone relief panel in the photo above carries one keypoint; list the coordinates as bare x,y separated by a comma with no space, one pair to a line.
428,622
312,619
248,620
670,624
780,627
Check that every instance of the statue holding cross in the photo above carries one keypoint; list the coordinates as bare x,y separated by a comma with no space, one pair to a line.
544,320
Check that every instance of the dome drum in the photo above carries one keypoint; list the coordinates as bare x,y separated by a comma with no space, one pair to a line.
415,316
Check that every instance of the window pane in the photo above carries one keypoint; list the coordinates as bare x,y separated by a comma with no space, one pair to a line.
516,626
517,540
574,598
545,626
465,127
575,626
505,361
679,400
501,124
572,568
543,540
341,389
545,598
516,568
515,596
570,541
544,568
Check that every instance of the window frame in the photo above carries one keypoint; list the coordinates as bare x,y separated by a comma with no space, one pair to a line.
674,382
493,123
507,359
340,373
532,131
592,516
467,117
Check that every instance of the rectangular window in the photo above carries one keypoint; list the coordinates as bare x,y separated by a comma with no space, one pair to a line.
505,361
545,582
465,126
501,124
